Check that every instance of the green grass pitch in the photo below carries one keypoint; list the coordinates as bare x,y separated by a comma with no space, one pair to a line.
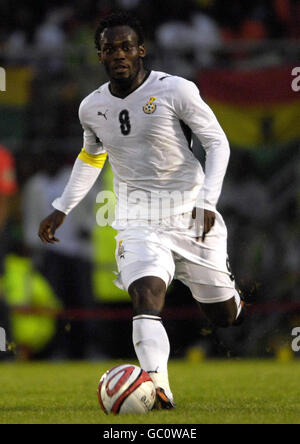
207,392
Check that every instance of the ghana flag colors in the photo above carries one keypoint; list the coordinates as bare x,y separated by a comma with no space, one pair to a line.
256,108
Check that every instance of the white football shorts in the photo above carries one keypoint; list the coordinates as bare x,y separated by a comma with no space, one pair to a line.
170,251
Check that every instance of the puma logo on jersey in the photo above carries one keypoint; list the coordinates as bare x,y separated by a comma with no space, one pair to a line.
150,106
103,114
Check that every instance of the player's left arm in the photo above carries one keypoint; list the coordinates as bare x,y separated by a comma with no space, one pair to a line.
200,118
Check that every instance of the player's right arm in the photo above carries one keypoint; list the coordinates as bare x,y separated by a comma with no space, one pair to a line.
200,118
86,170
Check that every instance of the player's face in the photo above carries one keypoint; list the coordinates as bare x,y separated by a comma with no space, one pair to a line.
120,53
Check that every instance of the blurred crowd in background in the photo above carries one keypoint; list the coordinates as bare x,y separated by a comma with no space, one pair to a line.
47,26
61,302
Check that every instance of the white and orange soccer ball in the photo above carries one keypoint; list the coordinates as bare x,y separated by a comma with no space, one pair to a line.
126,389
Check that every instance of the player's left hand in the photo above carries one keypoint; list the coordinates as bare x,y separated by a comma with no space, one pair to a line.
208,217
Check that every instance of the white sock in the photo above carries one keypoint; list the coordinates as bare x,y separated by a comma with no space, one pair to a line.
152,347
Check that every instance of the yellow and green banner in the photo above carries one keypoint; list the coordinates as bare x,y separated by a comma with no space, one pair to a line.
256,108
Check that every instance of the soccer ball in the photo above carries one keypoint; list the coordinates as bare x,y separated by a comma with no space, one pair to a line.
126,389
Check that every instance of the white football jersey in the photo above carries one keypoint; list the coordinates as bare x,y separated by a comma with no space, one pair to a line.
147,136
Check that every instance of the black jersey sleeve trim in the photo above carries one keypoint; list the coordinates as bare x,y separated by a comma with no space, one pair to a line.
187,133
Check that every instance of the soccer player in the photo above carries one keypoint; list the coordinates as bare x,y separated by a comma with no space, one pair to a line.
166,217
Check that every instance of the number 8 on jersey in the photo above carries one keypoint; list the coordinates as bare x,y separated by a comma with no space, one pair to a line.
125,122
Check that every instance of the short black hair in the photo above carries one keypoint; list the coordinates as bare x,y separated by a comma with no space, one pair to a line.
119,19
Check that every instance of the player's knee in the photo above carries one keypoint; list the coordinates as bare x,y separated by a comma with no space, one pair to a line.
147,297
145,301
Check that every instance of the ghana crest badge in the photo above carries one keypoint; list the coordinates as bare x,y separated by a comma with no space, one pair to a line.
121,250
150,106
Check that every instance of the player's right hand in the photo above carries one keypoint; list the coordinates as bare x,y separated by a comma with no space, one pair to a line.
203,218
49,225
